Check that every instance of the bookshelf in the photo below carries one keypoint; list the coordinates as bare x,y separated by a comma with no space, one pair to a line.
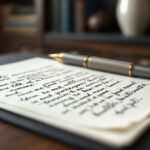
51,37
18,40
109,43
99,45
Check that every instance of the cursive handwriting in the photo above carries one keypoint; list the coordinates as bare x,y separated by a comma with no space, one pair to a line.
70,90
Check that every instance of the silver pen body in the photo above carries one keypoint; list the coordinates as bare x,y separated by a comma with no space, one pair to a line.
108,65
97,63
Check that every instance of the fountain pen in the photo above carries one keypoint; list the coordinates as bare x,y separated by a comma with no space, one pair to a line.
103,64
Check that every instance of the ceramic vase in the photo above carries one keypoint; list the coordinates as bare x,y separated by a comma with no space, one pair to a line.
133,16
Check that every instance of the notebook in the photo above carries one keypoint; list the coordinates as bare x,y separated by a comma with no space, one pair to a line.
77,106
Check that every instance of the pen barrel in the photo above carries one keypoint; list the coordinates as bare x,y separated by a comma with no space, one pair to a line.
73,59
141,71
109,65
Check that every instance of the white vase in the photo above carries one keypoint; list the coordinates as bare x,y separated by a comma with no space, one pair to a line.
133,16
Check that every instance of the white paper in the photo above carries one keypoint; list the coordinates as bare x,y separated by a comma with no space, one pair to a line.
74,94
114,138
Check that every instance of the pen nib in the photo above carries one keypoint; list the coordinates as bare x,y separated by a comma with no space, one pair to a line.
54,56
58,57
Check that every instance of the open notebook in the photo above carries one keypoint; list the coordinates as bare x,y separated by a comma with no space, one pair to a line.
104,107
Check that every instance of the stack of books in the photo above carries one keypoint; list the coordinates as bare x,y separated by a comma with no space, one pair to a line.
61,17
22,19
5,10
71,16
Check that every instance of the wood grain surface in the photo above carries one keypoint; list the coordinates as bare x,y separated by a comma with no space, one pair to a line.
16,138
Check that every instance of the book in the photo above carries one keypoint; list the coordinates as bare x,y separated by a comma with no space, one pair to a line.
5,11
102,107
20,23
55,15
17,29
67,9
22,19
23,10
79,15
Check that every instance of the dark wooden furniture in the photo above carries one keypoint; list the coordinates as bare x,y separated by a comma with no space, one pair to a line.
115,46
102,44
15,138
20,41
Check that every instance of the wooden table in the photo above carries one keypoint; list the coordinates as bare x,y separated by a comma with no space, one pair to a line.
16,138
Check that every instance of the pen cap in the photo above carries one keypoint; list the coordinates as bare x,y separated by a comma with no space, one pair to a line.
72,59
109,65
141,71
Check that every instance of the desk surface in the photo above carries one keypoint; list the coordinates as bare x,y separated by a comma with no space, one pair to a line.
16,138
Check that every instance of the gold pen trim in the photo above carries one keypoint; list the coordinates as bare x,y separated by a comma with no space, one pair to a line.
85,62
57,57
130,68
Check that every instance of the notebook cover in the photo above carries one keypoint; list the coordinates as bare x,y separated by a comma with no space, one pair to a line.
54,133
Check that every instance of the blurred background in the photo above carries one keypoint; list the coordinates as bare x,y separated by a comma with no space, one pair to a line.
108,28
